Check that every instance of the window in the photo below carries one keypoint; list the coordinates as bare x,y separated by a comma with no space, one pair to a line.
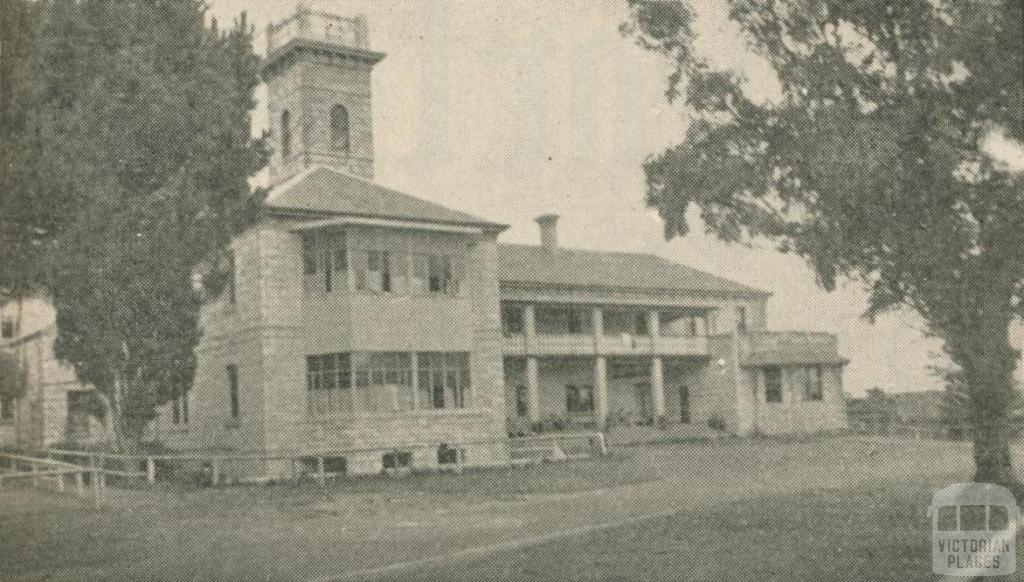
522,401
435,274
7,406
579,398
447,455
396,460
375,272
814,383
772,384
444,379
179,409
383,380
420,274
329,384
325,263
641,324
339,129
440,274
741,319
7,328
233,390
512,319
333,466
286,134
231,277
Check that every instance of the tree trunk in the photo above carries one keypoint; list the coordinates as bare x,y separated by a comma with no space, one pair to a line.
116,420
988,363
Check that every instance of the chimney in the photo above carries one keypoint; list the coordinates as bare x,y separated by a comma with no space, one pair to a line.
548,231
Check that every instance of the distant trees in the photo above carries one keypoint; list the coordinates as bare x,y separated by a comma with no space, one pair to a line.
126,158
872,164
876,410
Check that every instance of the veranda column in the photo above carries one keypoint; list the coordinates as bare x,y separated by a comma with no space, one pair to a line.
658,389
533,390
414,381
529,326
601,392
597,328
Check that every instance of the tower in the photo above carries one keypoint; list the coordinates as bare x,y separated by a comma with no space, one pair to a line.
317,72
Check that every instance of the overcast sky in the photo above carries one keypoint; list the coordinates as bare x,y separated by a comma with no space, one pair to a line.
509,110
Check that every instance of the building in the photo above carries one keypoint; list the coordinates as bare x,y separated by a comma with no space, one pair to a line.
364,322
41,401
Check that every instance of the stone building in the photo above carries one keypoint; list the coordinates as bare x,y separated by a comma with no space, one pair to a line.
364,323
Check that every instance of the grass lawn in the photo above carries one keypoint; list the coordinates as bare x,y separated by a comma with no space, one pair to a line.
855,533
831,508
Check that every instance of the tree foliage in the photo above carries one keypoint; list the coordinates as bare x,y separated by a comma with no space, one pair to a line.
132,125
871,163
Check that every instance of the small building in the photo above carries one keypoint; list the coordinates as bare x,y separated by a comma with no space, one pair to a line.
363,320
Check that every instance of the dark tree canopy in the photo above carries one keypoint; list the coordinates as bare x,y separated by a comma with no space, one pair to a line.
131,125
871,164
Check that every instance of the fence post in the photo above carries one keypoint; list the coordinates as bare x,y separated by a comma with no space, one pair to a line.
32,469
602,446
150,470
60,482
321,472
80,484
96,487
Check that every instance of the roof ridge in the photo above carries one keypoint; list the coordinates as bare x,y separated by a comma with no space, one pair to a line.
699,278
582,250
360,190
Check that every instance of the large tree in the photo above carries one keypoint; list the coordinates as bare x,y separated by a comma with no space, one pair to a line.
137,128
871,162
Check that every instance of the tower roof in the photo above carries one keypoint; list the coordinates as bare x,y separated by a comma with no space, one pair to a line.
319,32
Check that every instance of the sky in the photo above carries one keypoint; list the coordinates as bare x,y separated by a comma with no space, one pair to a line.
509,110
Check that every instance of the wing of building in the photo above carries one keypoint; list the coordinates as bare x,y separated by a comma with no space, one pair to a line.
364,322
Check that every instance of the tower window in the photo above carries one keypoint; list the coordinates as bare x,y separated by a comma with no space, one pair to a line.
339,129
286,133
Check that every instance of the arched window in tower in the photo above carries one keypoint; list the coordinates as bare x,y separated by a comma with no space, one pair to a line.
286,134
339,129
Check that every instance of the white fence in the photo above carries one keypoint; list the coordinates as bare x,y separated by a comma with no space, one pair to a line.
62,476
218,467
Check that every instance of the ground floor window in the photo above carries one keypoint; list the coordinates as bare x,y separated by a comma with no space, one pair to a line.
443,379
384,381
329,383
579,398
331,465
811,379
396,460
447,455
772,384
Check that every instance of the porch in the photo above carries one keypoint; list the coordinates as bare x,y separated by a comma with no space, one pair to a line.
559,393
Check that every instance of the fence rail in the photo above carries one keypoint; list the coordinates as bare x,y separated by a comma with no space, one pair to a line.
38,471
213,467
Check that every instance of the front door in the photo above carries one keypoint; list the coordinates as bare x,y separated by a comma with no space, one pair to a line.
684,404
